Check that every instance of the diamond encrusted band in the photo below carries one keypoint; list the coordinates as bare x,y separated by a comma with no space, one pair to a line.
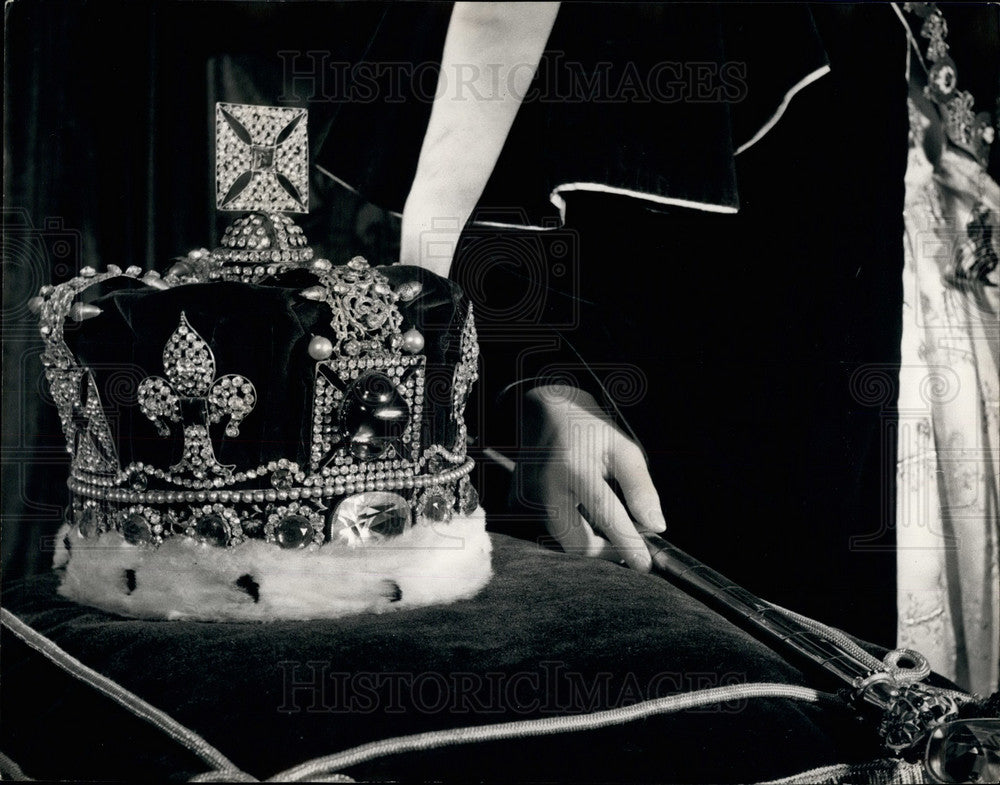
321,489
297,517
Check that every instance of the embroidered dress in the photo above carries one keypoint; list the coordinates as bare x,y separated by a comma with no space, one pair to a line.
949,440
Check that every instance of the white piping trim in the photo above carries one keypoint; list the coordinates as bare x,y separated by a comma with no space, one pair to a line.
113,690
560,203
556,198
501,225
329,764
800,85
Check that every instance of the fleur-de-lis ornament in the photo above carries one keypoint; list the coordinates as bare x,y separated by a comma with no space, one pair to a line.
192,396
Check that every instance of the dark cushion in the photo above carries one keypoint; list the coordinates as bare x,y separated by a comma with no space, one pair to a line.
553,635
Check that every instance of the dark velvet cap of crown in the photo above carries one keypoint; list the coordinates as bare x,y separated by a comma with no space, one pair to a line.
261,331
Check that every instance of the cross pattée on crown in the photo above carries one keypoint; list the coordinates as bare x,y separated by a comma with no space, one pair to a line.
261,159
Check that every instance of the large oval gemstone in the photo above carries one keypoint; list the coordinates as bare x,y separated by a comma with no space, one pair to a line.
373,415
436,506
136,530
213,529
372,517
293,531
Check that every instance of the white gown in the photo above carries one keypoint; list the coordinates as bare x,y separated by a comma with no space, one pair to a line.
949,446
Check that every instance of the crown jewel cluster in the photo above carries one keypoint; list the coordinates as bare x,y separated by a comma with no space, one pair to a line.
365,474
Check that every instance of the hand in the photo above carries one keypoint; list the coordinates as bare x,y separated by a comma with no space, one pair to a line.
582,450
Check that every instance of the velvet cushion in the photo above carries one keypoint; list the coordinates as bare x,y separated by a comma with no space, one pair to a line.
552,635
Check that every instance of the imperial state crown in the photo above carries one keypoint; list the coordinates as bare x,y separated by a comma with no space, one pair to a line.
260,433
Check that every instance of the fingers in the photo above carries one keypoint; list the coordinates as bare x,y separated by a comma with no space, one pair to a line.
628,467
580,539
606,512
565,522
584,452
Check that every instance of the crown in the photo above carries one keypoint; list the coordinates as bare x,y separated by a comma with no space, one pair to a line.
260,433
969,131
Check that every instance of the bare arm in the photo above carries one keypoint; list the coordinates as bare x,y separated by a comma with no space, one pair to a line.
491,53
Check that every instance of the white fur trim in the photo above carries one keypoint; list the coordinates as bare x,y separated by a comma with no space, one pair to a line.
431,563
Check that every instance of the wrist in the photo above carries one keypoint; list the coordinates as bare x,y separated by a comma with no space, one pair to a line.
429,236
